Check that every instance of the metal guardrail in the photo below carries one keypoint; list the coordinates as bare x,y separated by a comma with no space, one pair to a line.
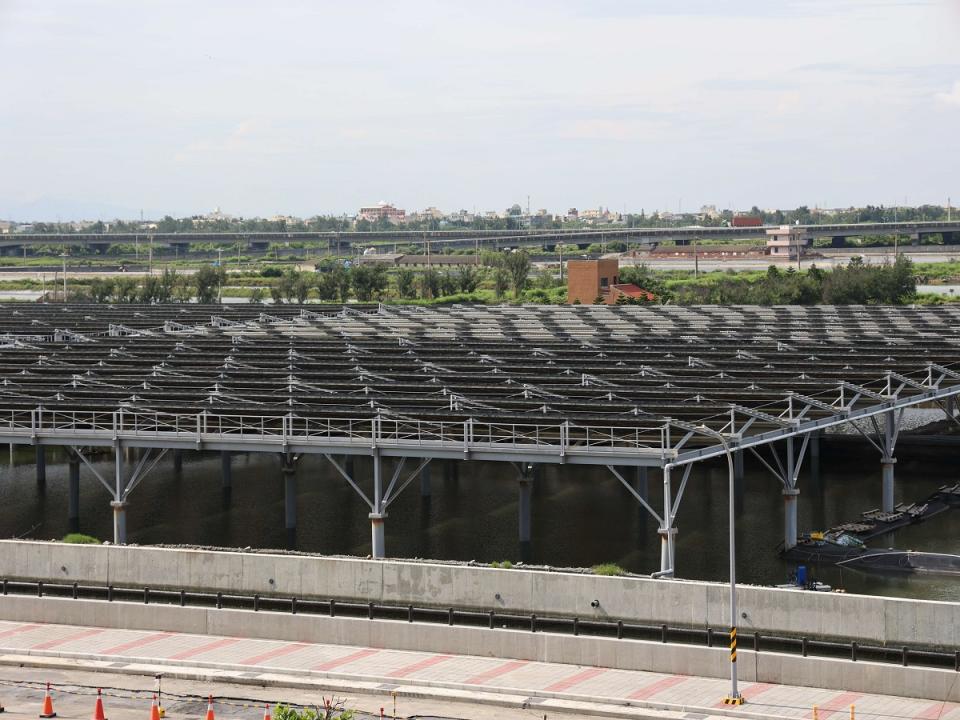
369,432
758,642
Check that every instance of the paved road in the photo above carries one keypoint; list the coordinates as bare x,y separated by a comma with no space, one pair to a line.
469,678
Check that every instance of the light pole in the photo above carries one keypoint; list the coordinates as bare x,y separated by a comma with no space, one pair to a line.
219,274
734,698
64,256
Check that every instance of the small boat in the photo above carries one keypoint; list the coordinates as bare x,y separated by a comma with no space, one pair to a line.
905,561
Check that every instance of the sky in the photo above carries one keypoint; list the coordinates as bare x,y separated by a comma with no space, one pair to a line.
110,107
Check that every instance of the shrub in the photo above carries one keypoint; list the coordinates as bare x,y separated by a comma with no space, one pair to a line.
80,539
504,565
607,569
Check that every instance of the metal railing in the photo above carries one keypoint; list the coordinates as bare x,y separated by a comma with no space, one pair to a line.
467,435
851,650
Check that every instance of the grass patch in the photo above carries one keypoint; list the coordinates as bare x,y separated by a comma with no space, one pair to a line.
608,569
80,539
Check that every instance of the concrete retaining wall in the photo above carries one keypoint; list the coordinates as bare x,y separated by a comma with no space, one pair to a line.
868,619
546,647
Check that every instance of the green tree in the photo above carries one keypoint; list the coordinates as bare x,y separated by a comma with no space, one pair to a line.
430,283
518,265
405,280
101,289
369,281
207,281
469,278
501,281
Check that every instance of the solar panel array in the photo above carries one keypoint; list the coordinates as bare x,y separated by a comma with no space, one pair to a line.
610,365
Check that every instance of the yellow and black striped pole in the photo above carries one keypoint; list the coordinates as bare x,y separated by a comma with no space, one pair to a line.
734,698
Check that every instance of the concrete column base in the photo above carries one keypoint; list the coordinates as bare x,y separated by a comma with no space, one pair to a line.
790,517
379,550
119,522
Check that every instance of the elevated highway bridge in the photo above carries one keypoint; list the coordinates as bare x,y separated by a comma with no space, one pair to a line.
483,239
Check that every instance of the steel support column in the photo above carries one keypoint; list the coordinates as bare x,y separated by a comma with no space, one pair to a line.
790,517
226,470
378,515
426,484
73,495
525,486
888,460
41,465
666,531
641,482
289,495
178,461
118,504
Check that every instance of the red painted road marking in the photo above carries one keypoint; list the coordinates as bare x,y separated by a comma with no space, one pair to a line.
271,654
496,672
749,693
69,638
575,679
418,666
123,647
657,686
352,657
201,649
936,711
839,703
14,631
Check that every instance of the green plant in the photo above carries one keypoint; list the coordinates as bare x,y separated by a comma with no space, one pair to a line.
332,709
503,565
80,539
607,569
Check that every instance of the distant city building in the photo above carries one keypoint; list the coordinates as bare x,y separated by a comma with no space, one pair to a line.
572,214
709,212
5,226
215,216
382,210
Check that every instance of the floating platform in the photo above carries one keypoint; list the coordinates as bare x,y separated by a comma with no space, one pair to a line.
846,544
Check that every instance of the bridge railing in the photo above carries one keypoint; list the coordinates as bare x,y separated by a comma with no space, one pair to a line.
370,431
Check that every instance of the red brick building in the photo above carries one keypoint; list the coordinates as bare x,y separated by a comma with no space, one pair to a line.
588,280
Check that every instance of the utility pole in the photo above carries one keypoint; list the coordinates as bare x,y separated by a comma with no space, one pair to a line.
64,256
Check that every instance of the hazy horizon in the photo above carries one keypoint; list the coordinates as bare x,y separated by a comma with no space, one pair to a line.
309,108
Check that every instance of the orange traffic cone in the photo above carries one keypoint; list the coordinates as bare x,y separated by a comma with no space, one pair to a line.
210,709
154,709
47,710
266,712
98,708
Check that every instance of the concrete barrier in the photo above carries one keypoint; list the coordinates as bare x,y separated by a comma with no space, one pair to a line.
827,673
867,619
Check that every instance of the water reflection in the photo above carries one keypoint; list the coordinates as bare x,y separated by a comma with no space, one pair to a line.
581,516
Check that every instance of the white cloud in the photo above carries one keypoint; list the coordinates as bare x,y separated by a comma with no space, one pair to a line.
952,97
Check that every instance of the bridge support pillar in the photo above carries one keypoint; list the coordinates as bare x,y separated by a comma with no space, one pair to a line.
378,514
289,496
426,485
525,486
790,517
73,495
668,533
178,461
889,440
119,522
916,239
641,482
888,483
41,465
838,241
226,470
